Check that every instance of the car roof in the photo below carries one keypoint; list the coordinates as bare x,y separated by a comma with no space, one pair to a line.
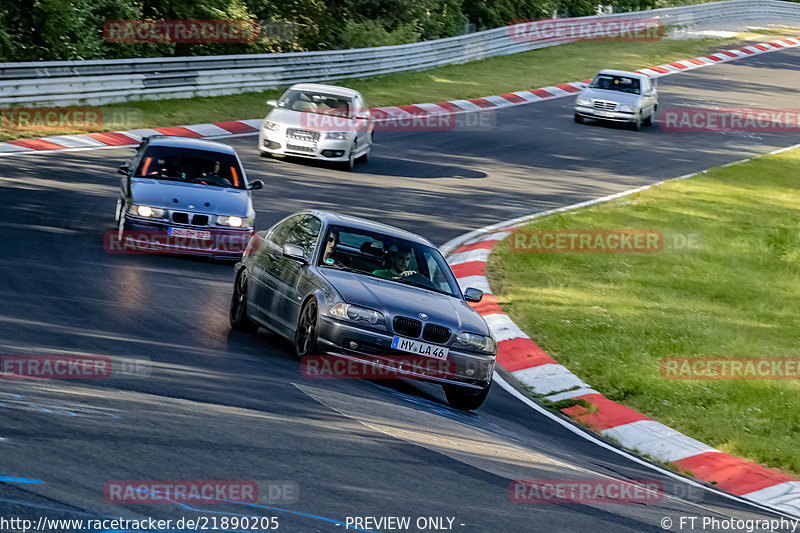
329,89
625,73
188,142
338,219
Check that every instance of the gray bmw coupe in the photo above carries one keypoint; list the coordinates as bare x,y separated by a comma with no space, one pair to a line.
358,290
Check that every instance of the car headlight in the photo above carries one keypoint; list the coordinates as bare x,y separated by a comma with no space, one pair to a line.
272,126
147,211
337,135
583,102
234,221
355,313
479,342
627,108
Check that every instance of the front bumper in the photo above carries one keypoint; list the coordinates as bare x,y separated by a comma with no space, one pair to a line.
465,369
277,143
598,114
145,236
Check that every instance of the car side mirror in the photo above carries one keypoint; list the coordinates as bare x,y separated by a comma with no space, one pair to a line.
292,251
362,116
255,185
273,103
473,295
124,170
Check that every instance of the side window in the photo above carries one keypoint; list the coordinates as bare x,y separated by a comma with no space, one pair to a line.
301,230
305,234
133,161
280,233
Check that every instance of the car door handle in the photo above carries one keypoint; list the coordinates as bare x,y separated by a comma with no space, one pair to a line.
273,256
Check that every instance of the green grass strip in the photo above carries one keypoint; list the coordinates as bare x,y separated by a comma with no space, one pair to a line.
610,317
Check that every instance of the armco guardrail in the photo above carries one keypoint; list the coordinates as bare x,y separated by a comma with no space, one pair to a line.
59,83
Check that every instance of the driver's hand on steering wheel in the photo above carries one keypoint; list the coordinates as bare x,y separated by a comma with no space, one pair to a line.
406,273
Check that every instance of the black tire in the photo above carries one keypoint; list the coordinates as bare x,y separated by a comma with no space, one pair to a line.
578,118
305,337
265,154
365,157
464,398
350,164
649,121
237,315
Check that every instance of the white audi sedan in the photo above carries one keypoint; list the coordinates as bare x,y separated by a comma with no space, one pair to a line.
317,121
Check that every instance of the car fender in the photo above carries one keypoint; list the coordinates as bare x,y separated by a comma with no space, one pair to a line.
322,303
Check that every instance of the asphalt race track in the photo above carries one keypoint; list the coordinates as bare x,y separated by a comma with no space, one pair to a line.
222,405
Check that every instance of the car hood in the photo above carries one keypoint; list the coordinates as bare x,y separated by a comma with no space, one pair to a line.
310,121
395,299
611,96
190,197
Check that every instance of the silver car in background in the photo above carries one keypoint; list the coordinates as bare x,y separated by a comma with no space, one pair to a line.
618,96
317,121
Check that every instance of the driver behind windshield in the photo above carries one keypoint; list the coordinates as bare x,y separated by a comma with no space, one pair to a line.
330,248
616,83
398,260
160,170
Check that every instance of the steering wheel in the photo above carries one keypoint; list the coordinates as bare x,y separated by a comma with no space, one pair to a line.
419,279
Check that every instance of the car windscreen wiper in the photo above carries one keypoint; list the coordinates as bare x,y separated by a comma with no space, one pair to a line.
157,177
339,267
430,287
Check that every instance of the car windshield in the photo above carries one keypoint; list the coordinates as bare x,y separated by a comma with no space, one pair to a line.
191,165
382,256
316,102
610,82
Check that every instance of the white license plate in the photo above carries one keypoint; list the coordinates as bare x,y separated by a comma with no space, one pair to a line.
604,113
419,348
189,233
302,143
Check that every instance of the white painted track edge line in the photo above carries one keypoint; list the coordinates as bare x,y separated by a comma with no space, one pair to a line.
595,440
